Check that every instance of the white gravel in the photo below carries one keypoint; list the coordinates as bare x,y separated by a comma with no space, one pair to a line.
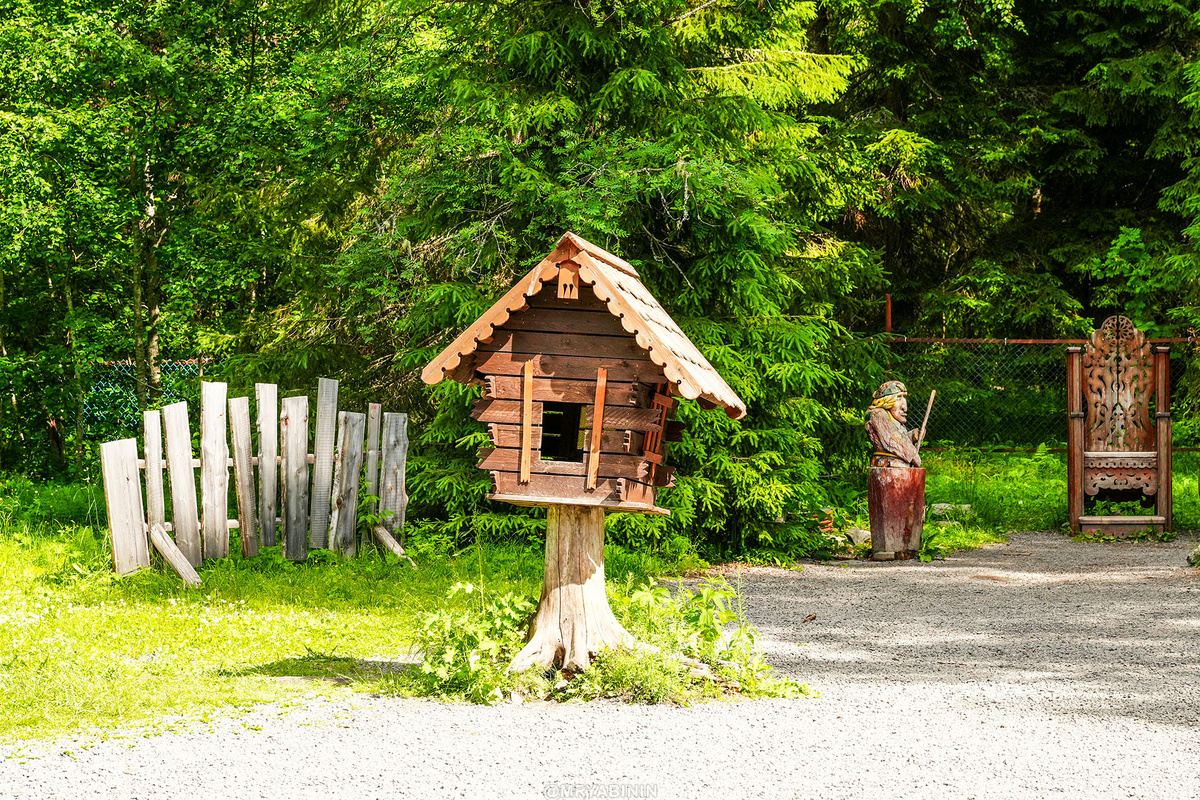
1040,668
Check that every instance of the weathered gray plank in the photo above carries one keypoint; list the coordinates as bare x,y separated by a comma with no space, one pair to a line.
243,473
347,471
214,471
294,437
327,391
173,555
373,413
185,519
156,503
392,494
267,395
123,497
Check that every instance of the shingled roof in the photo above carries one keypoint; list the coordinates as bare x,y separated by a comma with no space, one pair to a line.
616,284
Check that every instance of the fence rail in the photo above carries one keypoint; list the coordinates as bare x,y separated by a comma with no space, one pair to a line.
316,513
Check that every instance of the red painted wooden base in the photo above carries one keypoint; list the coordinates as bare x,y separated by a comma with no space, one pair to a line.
896,501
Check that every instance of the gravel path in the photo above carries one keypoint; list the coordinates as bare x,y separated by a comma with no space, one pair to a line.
1039,668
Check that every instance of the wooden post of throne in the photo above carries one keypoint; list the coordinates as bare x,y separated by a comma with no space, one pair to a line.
1119,429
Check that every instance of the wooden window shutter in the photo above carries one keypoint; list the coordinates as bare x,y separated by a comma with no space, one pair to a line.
597,428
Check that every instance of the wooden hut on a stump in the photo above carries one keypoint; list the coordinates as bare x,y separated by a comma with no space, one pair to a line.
581,369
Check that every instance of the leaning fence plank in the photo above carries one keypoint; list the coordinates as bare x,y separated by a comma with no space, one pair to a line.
327,392
123,496
185,520
392,494
294,428
243,473
173,555
156,504
373,411
267,395
343,517
214,471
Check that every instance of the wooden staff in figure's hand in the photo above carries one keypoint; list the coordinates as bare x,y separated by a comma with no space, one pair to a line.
928,408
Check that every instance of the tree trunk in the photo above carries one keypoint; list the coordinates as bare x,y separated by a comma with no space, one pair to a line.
574,620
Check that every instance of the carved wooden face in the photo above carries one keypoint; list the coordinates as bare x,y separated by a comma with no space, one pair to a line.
900,410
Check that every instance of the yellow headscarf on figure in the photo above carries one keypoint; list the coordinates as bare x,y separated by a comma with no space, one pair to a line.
887,395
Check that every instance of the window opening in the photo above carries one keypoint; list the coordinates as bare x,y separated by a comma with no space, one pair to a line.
562,432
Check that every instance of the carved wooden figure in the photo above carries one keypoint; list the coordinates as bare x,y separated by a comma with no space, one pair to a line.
1119,429
895,481
581,369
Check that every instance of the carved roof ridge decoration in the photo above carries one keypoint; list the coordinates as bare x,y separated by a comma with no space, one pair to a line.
617,284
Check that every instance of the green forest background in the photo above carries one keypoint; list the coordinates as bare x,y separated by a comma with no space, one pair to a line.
335,188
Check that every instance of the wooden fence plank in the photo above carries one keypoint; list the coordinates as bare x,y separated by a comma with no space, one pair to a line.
373,413
327,392
294,428
392,494
243,473
173,555
214,471
185,520
267,396
347,471
123,497
156,503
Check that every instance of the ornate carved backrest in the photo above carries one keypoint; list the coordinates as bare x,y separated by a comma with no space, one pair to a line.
1118,378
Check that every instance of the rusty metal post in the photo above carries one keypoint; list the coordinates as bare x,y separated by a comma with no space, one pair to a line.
1075,423
1162,427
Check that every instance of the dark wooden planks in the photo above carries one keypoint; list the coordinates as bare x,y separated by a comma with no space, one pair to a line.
571,367
563,344
609,465
560,390
562,320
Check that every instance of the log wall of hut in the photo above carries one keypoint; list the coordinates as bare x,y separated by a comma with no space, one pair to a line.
541,372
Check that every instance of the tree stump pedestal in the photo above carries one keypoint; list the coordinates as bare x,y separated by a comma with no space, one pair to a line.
574,620
896,502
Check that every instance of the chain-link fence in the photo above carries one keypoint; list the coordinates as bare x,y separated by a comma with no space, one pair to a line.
1010,394
110,407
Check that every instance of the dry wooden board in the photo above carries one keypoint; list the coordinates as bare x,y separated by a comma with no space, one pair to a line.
184,517
243,474
393,496
566,391
327,392
548,298
507,411
544,490
347,471
373,419
563,344
293,422
214,471
627,419
123,499
267,396
156,504
563,320
173,555
571,367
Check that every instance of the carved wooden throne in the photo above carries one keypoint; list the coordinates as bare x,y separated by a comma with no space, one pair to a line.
1119,429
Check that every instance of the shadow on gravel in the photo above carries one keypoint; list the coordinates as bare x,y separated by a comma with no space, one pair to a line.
1102,629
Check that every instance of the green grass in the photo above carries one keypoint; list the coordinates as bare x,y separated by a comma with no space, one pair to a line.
82,648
